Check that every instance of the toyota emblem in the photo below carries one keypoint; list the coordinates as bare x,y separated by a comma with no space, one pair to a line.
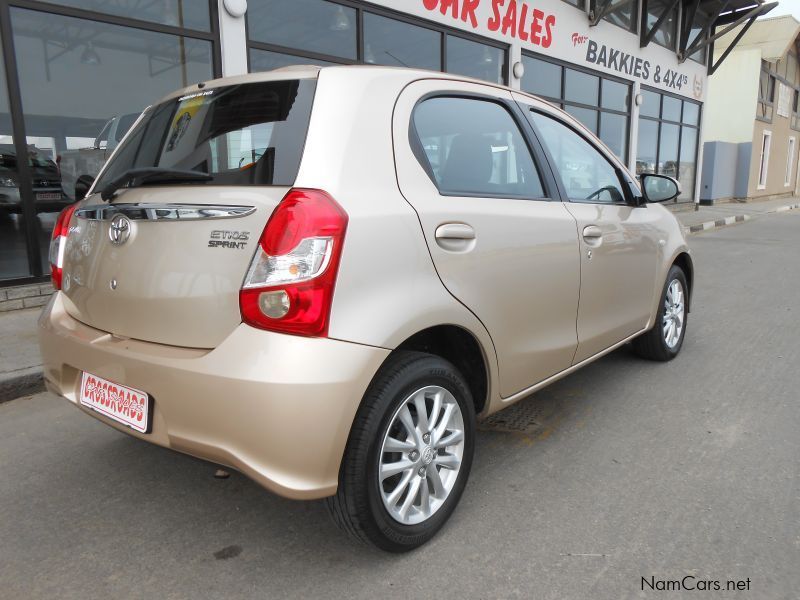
120,230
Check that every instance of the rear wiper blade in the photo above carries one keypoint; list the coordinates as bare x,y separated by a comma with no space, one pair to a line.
151,175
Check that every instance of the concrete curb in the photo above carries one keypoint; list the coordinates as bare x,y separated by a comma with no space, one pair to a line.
732,220
22,382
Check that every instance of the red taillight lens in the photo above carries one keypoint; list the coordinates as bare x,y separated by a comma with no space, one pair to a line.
289,287
57,244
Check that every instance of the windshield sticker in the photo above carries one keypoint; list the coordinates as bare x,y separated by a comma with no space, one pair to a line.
187,108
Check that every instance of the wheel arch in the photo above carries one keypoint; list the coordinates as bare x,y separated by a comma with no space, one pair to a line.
460,347
684,261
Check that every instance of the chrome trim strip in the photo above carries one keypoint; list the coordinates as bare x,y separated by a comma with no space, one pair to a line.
163,212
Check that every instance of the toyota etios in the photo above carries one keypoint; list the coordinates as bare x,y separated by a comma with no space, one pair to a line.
322,277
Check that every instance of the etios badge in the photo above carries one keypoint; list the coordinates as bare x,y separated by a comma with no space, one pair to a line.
120,230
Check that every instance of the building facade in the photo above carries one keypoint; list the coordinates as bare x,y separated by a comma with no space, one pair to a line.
753,125
76,73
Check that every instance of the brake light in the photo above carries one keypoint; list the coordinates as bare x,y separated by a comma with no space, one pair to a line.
57,244
289,286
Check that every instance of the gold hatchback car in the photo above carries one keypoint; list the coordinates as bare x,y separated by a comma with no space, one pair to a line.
322,277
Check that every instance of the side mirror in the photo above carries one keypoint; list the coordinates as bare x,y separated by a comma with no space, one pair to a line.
659,188
82,185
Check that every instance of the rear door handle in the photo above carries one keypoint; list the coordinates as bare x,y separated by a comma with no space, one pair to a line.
455,237
592,233
455,231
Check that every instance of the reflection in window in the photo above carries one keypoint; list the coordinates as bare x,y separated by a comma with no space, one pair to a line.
665,35
614,132
474,147
647,147
584,115
13,251
192,14
668,150
310,25
696,28
585,173
542,78
474,59
399,44
581,87
75,77
624,13
264,60
688,165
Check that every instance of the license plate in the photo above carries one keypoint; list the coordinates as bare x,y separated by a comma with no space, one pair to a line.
48,196
122,404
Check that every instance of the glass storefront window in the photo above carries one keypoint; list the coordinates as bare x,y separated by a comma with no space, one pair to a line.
647,147
392,42
474,59
581,87
671,109
688,164
584,115
83,80
691,113
651,104
665,35
623,13
668,150
309,25
541,77
264,60
615,95
614,132
192,14
666,147
13,250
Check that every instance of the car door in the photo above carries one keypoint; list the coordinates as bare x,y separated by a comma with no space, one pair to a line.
499,241
620,241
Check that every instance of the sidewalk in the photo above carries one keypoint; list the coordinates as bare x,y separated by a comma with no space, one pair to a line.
20,365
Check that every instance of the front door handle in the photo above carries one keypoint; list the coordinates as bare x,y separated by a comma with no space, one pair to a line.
455,237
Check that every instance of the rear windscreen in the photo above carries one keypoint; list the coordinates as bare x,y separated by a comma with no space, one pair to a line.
248,134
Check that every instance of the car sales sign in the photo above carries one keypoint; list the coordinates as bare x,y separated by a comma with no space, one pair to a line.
554,28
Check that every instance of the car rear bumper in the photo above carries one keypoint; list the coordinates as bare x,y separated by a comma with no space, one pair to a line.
278,408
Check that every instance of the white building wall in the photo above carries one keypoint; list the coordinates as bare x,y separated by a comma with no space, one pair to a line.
732,99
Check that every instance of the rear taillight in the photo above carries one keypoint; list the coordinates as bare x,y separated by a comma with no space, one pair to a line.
289,287
57,244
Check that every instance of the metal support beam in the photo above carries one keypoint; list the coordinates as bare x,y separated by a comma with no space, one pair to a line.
647,36
686,27
713,66
750,15
685,53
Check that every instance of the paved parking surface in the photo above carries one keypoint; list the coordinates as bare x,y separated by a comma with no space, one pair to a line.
634,470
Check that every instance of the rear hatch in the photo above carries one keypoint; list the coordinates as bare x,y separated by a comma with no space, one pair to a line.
163,259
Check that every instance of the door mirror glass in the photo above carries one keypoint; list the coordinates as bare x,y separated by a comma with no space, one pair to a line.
659,188
82,185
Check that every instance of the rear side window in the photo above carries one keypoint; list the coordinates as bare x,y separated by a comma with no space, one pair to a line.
473,147
586,174
248,134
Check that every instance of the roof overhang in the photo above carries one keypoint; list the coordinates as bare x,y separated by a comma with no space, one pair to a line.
708,15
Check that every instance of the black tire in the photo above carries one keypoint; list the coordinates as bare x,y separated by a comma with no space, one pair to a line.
357,507
651,344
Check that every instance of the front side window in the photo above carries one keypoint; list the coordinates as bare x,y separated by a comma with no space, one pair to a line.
248,134
474,147
586,174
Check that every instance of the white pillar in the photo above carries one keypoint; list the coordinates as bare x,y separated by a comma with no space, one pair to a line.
514,56
633,137
233,36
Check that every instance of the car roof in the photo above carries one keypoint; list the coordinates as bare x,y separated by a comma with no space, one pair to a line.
313,71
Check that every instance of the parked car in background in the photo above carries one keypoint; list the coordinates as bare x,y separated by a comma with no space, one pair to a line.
89,161
48,195
322,278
